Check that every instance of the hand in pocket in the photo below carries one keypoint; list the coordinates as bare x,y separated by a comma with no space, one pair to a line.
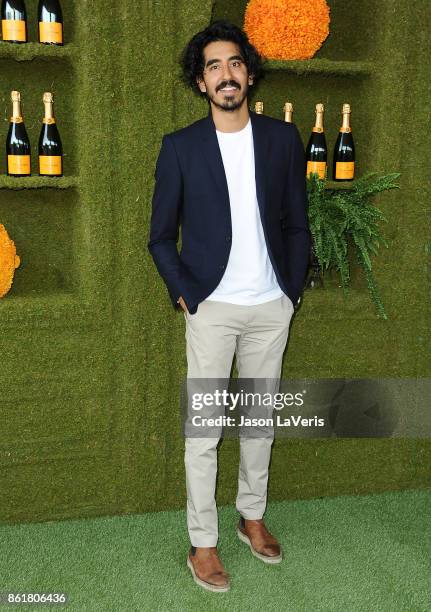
183,305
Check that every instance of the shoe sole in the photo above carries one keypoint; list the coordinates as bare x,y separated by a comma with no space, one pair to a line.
206,585
264,558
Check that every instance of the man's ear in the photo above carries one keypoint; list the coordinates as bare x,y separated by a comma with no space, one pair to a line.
201,84
250,79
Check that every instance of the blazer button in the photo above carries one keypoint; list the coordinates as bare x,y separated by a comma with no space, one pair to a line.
222,267
227,238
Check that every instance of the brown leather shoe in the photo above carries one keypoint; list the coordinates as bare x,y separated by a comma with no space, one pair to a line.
262,544
207,569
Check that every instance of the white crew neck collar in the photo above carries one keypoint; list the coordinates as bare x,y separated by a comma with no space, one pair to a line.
237,132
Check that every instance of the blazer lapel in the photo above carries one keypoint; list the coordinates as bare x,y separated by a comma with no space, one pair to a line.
212,154
211,151
261,159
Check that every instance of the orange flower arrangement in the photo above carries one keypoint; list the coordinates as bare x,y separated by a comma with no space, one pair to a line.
9,260
287,29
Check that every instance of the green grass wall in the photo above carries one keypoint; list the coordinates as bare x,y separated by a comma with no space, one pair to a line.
93,354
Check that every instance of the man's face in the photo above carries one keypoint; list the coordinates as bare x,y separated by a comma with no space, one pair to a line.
225,77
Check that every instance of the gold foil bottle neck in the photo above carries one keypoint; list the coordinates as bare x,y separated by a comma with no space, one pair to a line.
345,126
318,124
258,107
48,100
16,107
288,111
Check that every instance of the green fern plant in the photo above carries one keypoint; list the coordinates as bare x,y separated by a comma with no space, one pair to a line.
335,215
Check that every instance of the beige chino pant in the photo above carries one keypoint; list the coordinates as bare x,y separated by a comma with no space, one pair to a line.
257,334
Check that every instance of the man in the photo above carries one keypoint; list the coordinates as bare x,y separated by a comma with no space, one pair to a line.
235,181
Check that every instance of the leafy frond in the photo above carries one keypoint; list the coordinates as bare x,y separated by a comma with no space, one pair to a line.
335,216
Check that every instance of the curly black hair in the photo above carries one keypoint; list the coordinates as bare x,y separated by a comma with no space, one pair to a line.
192,57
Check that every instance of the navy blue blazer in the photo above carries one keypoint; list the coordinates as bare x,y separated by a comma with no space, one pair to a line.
191,190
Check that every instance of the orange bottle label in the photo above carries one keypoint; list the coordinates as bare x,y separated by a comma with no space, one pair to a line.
18,164
344,170
51,31
50,164
318,167
13,29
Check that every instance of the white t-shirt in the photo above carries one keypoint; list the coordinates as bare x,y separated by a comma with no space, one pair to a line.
249,277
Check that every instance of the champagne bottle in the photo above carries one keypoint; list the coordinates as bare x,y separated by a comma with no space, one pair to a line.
50,20
17,142
344,150
316,151
50,148
258,107
14,21
288,111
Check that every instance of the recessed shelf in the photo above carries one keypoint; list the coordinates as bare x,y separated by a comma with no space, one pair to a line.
31,50
320,66
44,227
38,182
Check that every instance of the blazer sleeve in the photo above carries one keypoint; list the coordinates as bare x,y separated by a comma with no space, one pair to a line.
296,223
164,227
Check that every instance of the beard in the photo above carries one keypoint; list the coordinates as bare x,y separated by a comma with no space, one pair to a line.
230,103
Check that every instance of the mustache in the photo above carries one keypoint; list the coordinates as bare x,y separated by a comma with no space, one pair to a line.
228,84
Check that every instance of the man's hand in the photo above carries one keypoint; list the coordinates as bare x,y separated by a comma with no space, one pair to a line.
183,304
